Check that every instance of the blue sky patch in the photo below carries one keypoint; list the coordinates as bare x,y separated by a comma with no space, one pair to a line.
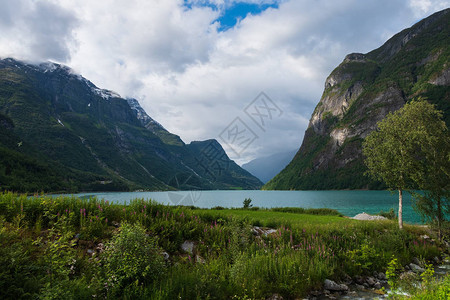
232,13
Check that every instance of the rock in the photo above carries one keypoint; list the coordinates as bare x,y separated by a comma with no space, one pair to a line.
90,251
188,246
366,217
359,287
409,275
260,231
333,286
275,297
359,280
100,247
371,281
201,260
382,276
166,256
377,285
347,279
417,262
416,269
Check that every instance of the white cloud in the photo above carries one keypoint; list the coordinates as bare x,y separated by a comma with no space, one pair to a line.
36,30
194,79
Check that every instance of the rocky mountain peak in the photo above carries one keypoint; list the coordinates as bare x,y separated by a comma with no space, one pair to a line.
360,92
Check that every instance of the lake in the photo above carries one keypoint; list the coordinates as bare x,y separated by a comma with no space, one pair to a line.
348,203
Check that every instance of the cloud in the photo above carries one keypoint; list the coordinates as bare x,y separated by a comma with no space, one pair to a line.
195,79
36,30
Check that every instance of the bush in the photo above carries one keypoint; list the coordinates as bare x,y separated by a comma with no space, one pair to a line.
388,214
132,257
247,203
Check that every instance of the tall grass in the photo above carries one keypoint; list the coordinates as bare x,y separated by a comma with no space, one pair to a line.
229,260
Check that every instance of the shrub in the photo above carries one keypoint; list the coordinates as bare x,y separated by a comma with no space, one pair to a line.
247,203
132,257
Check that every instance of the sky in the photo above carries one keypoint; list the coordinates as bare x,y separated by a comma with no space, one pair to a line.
248,73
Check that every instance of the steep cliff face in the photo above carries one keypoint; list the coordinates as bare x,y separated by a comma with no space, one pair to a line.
361,91
59,132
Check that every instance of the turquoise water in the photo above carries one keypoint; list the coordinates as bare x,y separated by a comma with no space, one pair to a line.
349,203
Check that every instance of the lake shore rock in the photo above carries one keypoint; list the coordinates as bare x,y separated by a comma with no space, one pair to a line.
366,217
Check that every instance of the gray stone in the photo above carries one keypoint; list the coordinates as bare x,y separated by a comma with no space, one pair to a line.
360,287
417,262
166,256
347,279
201,260
409,275
371,281
377,285
188,246
275,297
416,269
359,279
382,276
90,251
262,231
333,286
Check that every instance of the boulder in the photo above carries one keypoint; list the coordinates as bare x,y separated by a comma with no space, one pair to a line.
417,262
416,269
333,286
371,281
188,246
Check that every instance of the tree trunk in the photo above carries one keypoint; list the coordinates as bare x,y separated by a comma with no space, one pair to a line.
400,209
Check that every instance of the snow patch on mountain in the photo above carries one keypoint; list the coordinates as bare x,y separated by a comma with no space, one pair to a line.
105,94
142,116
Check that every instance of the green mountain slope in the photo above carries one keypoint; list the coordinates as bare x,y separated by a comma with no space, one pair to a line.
361,91
74,136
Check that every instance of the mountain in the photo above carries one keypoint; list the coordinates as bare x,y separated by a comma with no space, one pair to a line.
59,132
361,91
265,168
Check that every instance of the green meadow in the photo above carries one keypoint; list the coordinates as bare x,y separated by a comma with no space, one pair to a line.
72,248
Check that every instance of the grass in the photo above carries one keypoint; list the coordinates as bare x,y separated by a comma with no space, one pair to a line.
271,218
68,247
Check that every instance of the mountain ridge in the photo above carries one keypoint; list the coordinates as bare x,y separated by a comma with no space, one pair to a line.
87,138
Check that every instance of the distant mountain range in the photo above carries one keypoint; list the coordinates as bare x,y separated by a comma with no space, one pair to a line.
361,91
265,168
59,132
